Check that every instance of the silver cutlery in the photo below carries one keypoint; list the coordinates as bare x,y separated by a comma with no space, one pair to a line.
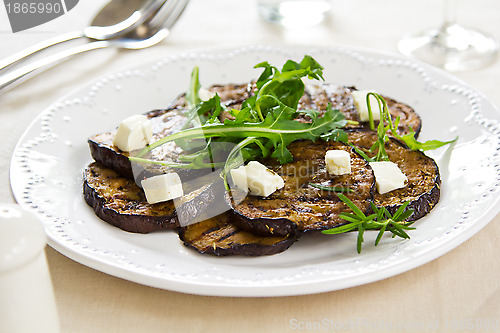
116,19
149,33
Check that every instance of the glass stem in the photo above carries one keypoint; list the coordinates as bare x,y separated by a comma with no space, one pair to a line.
451,36
450,12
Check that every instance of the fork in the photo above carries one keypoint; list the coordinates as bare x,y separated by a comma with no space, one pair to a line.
148,34
95,31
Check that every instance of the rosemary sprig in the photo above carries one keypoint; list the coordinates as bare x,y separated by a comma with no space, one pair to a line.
380,220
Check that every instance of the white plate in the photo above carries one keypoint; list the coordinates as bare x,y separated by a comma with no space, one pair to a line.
46,176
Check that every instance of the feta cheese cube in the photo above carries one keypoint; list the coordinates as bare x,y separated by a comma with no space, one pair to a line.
338,162
239,177
359,99
388,176
205,94
257,178
261,180
134,132
162,187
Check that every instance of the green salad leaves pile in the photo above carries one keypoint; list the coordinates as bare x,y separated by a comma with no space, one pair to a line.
264,126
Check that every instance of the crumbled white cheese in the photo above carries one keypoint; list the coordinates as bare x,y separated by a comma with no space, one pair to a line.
257,178
388,176
359,99
338,162
205,94
134,132
162,187
239,177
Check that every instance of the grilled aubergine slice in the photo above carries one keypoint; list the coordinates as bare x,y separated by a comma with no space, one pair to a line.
318,96
299,204
423,187
171,120
120,202
164,122
301,207
218,236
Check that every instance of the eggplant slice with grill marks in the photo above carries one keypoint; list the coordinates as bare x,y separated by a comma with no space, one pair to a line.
120,202
164,122
218,236
423,187
300,205
318,96
171,120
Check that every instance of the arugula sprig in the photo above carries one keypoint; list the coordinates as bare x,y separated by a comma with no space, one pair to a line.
285,85
276,128
193,93
387,125
264,126
381,219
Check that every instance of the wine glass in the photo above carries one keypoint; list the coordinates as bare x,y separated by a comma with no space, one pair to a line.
294,13
451,46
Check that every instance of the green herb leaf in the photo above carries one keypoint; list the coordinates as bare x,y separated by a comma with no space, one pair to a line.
412,143
193,93
383,129
352,206
287,85
362,153
268,117
342,229
204,112
359,221
280,132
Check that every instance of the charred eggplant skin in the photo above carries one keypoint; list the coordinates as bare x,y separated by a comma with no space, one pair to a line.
218,236
424,182
423,205
164,122
232,95
318,96
102,150
300,207
264,226
121,203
